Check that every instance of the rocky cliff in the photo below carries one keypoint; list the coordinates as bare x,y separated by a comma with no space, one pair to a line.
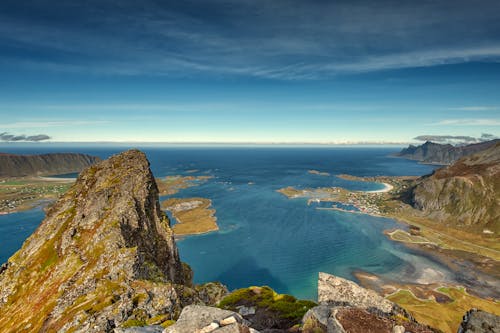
43,165
435,153
103,257
346,307
465,194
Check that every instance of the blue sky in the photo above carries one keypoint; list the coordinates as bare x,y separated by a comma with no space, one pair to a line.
249,71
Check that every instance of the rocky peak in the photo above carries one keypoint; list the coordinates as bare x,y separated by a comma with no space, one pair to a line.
104,254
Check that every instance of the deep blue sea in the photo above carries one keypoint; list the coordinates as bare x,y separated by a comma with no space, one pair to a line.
266,238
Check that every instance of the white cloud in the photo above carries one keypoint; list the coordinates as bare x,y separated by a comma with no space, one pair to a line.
469,122
475,108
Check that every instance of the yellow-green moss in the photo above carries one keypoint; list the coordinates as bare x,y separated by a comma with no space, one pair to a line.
133,323
167,323
286,306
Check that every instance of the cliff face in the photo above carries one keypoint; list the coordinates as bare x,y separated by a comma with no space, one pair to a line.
436,153
104,254
43,165
465,193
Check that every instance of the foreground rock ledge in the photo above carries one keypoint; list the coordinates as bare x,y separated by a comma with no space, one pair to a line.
104,256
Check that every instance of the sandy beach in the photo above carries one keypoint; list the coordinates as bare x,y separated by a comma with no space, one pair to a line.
387,188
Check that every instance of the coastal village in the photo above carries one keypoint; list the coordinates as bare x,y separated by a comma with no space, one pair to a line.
341,199
25,193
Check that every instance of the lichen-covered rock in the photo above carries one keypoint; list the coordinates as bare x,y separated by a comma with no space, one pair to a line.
347,307
338,291
140,329
103,257
206,319
477,321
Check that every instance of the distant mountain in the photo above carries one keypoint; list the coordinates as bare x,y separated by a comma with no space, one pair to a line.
435,153
43,165
464,194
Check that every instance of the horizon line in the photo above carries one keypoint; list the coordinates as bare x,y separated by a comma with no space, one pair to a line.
236,143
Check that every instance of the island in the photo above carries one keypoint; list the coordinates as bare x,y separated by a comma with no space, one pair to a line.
319,173
170,185
193,215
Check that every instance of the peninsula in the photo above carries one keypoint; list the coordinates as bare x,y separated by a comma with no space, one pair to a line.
193,215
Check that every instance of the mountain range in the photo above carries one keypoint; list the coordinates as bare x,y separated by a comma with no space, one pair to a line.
435,153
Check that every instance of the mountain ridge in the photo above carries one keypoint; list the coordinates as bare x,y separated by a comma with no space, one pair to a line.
442,154
464,194
12,165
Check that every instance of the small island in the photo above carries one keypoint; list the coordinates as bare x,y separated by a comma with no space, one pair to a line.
319,173
170,185
194,216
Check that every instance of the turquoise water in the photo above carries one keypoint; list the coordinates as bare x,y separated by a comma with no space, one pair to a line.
266,238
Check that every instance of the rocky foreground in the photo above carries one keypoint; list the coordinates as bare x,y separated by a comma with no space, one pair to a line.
105,260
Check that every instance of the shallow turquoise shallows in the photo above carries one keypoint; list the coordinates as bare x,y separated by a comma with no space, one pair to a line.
266,238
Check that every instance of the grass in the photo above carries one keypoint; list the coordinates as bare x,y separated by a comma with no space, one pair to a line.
285,306
444,316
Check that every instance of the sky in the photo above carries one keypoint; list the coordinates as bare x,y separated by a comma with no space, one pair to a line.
253,71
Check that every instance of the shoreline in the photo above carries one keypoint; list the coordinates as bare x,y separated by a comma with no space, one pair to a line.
387,188
55,179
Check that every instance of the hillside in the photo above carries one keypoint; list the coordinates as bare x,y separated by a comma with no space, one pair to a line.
43,165
434,153
103,257
465,194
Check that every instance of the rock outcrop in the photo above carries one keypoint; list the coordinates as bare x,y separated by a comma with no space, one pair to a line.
435,153
104,257
43,165
477,321
346,307
335,290
465,194
205,319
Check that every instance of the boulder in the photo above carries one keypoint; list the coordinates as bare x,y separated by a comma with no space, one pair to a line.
334,290
477,321
205,319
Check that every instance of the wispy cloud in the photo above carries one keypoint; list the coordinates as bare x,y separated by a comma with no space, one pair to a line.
43,124
475,108
469,122
266,39
455,139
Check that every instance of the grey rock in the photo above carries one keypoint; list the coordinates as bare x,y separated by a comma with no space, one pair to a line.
144,329
233,328
245,311
339,291
320,313
477,321
196,317
398,329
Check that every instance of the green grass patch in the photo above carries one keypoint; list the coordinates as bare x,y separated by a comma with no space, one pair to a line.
286,306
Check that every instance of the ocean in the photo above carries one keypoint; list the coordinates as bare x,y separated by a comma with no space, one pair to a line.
264,237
